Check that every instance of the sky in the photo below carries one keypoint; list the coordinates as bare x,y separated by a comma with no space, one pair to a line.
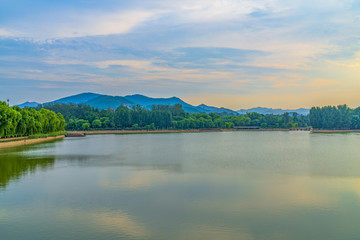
226,53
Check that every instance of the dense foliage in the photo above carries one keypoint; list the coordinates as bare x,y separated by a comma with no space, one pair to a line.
330,117
15,121
84,117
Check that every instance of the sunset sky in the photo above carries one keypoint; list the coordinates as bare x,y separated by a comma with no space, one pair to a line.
225,53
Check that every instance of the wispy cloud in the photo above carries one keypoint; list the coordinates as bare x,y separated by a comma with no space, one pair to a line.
6,33
234,51
348,63
79,24
134,64
219,10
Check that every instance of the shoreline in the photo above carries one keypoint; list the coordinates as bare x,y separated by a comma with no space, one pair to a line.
94,132
21,141
12,139
27,141
335,131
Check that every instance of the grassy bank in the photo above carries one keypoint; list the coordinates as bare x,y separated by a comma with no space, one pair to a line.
54,134
37,138
27,141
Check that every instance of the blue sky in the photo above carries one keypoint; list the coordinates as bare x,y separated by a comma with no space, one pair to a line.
236,54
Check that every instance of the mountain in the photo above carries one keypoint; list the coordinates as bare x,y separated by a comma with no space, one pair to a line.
210,109
261,110
29,105
79,98
105,101
148,102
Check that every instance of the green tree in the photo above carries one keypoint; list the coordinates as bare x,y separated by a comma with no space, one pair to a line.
96,123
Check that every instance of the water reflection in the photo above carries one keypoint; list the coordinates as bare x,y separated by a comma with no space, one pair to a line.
13,167
270,185
116,222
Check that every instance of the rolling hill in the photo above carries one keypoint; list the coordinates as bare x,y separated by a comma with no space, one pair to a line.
79,98
102,101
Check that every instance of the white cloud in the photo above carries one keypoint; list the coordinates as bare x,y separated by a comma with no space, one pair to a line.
100,24
33,70
7,33
138,64
219,10
80,24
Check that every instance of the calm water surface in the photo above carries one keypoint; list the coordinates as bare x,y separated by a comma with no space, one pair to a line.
223,185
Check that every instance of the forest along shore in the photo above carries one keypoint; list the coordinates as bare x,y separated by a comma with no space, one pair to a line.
79,133
15,142
93,132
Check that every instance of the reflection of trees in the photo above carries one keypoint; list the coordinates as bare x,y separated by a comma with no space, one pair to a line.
14,167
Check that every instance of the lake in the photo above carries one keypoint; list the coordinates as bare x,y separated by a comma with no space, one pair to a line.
213,185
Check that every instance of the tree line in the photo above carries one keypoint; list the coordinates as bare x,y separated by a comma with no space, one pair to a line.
84,117
331,117
15,121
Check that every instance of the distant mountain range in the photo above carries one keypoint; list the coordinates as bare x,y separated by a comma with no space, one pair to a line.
101,101
300,111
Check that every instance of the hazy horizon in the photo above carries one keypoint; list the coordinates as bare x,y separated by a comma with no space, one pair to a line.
236,109
223,53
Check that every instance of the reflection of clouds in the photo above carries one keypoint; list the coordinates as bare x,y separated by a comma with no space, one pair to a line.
135,180
214,232
120,222
344,185
3,214
270,194
288,191
114,221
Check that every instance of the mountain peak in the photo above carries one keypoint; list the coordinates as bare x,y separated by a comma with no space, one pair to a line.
29,104
78,98
103,101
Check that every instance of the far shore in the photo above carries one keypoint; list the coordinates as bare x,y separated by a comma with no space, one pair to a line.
15,142
335,131
21,141
93,132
